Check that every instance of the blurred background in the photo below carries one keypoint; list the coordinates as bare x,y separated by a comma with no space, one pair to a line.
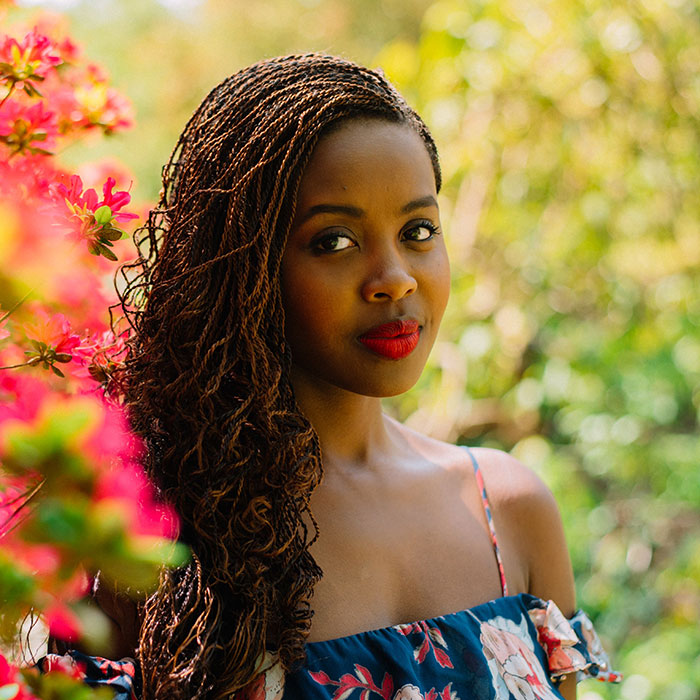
570,140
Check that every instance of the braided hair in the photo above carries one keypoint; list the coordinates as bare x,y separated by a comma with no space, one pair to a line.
207,379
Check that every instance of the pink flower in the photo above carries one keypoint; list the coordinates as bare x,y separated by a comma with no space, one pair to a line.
115,201
92,219
21,396
55,26
122,480
87,101
127,486
22,128
102,354
52,339
26,179
27,62
53,330
69,50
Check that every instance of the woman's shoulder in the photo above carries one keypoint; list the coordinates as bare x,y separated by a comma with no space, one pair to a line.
512,484
508,481
526,517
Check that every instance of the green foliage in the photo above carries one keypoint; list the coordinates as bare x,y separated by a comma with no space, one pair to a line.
569,138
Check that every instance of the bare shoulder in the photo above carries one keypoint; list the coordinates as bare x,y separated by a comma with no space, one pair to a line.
527,514
508,482
513,486
514,490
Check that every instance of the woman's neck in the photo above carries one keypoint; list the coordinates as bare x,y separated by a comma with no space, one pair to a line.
351,427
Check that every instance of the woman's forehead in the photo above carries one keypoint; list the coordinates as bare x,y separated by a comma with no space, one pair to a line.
362,155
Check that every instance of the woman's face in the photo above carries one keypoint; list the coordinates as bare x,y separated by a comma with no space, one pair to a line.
365,275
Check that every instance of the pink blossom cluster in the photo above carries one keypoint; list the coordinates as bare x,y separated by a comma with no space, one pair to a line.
51,94
37,70
74,499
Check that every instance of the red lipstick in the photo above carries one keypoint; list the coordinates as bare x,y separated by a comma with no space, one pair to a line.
394,340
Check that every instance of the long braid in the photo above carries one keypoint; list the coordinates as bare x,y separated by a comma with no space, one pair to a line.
207,379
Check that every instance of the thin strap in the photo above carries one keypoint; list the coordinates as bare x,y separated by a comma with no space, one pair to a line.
489,519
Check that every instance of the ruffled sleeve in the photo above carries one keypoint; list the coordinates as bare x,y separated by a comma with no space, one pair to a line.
571,645
120,676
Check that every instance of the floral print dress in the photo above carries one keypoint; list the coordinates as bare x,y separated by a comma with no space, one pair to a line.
515,647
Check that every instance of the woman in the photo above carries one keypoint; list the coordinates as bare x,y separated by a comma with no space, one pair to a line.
294,273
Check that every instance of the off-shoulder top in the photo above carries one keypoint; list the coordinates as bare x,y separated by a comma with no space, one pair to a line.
516,647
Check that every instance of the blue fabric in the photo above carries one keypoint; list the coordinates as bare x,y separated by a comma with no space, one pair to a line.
511,648
490,651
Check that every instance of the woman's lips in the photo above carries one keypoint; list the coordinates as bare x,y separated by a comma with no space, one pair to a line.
394,340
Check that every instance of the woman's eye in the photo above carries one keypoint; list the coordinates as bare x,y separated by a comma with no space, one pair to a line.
334,242
421,232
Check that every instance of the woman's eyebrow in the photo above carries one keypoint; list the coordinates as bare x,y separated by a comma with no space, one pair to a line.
357,213
354,212
420,203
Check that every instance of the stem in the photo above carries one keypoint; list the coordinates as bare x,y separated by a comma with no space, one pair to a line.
17,305
24,364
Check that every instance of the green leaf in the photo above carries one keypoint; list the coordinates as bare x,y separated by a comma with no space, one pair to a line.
103,215
57,371
109,233
103,250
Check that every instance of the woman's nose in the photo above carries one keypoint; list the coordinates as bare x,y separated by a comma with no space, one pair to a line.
391,280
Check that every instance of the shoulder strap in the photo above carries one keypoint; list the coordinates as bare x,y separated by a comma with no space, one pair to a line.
489,519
